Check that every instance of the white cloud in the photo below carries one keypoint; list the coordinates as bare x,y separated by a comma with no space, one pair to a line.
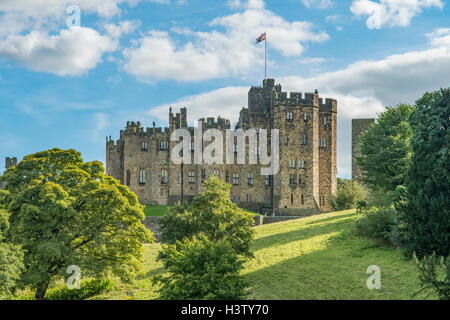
321,4
230,51
362,89
391,12
71,52
124,27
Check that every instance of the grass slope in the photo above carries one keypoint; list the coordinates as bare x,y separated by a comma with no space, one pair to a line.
318,257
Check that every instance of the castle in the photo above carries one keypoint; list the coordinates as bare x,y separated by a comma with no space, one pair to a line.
9,162
141,159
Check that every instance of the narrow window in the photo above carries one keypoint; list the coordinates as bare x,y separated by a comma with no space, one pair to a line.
303,139
235,178
267,180
203,175
303,199
164,176
141,176
289,116
191,177
128,177
250,179
292,198
217,172
227,176
144,146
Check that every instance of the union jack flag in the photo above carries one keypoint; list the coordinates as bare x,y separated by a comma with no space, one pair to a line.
261,38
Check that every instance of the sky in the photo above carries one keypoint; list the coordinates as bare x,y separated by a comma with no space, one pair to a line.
68,80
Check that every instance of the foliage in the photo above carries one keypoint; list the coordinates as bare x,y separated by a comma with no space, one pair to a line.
385,149
201,269
425,212
213,214
379,223
349,193
11,258
429,276
66,212
88,288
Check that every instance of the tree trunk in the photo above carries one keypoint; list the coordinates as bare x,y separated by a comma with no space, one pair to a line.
41,290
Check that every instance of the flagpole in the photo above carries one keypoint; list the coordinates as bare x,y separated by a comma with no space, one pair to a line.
265,57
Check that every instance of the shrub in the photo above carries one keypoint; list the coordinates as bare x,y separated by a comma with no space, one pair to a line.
349,193
431,278
213,214
379,223
201,269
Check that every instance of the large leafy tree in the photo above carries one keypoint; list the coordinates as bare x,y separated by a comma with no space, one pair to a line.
349,193
67,212
425,214
213,214
385,149
11,257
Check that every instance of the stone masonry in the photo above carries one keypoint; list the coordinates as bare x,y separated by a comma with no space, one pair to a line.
141,159
9,162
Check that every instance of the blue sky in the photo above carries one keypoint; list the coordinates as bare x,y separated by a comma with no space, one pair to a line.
131,59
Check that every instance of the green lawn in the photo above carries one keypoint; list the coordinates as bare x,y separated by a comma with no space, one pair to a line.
161,210
318,257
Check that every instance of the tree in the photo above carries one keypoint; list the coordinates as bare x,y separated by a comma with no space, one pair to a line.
430,278
66,212
213,214
349,193
425,215
199,268
385,149
11,257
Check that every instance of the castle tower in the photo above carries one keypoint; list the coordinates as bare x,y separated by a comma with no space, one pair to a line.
10,162
358,127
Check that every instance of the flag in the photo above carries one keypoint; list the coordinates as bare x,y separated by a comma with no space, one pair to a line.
261,38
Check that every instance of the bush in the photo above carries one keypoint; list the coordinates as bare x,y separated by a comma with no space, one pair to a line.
201,269
88,288
430,277
349,193
380,223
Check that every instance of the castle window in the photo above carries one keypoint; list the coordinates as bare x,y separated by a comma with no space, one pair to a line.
128,177
164,176
164,145
303,199
299,179
301,164
235,178
227,176
235,148
322,142
303,139
291,164
285,140
292,179
192,146
191,177
305,116
216,172
325,121
267,180
292,198
250,179
289,116
142,176
144,146
203,175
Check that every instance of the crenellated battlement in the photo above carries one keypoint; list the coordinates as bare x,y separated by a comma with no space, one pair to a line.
304,99
211,122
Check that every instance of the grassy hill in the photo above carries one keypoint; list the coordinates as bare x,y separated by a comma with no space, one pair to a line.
318,257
